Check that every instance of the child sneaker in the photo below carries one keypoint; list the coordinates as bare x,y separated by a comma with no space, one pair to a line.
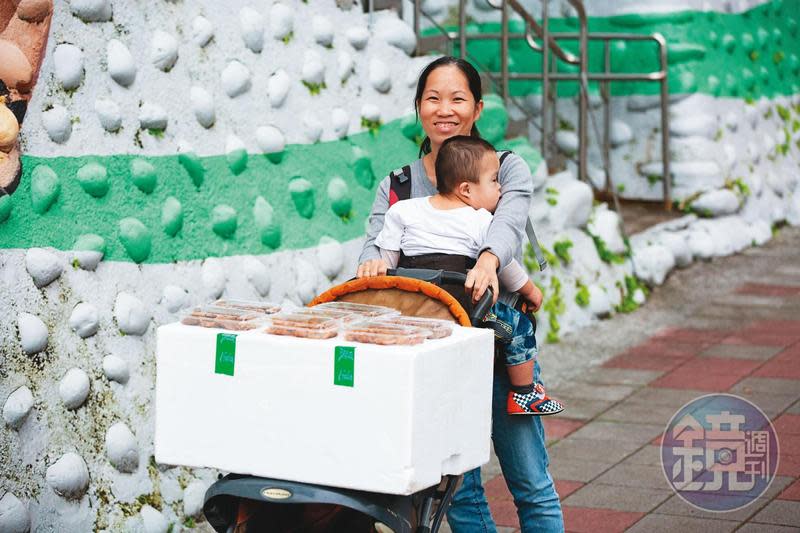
535,403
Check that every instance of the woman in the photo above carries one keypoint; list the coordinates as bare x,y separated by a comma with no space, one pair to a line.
448,103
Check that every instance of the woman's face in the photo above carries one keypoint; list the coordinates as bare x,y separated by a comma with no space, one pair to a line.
447,107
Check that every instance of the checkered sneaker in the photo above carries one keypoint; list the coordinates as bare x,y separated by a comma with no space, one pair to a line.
532,403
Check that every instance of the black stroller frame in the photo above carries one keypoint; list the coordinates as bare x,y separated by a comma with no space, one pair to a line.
361,511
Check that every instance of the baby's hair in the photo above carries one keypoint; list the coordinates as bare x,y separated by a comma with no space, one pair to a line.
459,160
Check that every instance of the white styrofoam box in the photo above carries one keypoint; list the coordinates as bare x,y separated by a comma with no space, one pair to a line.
413,414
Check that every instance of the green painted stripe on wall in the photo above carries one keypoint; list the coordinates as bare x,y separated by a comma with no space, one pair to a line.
154,210
745,55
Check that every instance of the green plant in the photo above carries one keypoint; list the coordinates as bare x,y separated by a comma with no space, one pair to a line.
554,306
768,113
778,56
607,255
582,294
561,248
628,304
783,112
652,179
739,185
314,88
288,37
372,125
552,195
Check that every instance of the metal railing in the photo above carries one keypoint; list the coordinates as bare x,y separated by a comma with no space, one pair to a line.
550,46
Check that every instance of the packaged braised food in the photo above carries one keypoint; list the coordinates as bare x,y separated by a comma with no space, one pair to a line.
249,305
434,328
377,332
212,316
365,310
342,316
307,325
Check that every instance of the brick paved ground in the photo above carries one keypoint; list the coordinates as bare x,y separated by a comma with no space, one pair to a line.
744,339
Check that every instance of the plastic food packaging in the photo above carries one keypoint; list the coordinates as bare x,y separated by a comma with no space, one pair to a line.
212,316
343,316
378,332
307,324
369,311
249,305
434,328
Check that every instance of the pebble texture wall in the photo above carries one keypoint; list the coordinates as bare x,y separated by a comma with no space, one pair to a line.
159,155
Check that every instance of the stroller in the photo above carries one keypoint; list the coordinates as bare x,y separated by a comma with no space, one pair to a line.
248,504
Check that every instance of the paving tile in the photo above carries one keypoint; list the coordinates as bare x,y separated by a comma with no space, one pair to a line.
664,347
790,444
771,404
663,523
766,339
780,512
618,431
733,351
558,427
582,409
496,489
691,335
794,409
647,455
691,379
765,528
789,465
677,506
619,376
676,398
641,500
594,391
764,289
780,368
770,385
776,326
719,365
628,475
792,492
602,451
635,361
588,520
565,487
641,413
577,470
504,513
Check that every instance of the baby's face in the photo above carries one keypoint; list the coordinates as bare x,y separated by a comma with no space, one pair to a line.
487,190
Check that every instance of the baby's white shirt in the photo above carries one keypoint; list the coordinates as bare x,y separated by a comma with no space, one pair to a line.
416,227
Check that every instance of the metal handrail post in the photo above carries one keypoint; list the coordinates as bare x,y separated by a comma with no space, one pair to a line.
583,103
605,92
462,28
665,155
545,77
504,50
417,17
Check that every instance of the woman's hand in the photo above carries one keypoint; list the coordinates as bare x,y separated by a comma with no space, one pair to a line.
483,275
372,267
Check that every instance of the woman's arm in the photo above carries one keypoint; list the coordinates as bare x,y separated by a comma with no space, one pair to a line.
370,262
507,230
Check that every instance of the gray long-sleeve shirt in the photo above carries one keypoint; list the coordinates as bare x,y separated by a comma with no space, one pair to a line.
507,231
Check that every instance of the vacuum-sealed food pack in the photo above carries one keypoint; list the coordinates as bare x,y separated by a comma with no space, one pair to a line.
212,316
306,324
249,305
379,332
434,328
369,311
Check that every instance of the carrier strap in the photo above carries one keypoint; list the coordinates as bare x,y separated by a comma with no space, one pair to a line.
537,250
400,185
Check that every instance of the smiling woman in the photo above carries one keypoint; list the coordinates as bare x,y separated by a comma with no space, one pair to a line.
448,102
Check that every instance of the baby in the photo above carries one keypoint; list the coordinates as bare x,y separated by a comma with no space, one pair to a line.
455,222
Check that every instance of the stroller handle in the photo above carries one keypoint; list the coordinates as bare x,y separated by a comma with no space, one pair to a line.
439,277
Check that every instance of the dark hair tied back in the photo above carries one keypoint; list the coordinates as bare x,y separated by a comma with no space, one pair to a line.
473,81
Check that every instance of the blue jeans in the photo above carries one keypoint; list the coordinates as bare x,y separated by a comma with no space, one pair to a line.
520,447
518,338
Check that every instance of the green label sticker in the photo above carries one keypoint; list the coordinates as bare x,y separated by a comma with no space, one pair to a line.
344,363
226,353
